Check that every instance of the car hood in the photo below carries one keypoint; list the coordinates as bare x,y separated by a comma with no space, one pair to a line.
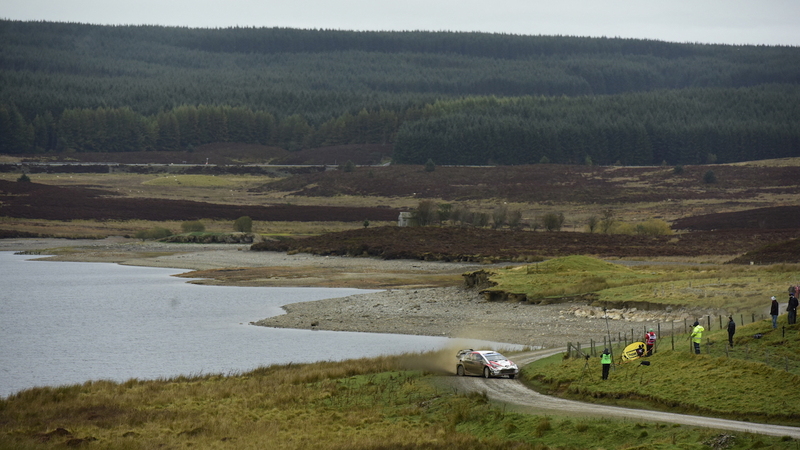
504,364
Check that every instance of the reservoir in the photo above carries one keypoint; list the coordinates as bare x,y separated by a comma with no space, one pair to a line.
66,323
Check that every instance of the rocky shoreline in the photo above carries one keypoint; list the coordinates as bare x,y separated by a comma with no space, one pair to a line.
453,311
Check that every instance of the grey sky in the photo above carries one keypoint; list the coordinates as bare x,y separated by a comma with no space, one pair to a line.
768,22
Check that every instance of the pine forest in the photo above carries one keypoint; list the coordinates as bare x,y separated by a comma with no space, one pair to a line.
453,98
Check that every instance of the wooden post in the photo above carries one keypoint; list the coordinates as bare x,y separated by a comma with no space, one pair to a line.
673,335
658,325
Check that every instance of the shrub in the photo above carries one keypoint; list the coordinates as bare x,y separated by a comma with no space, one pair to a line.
709,177
480,219
243,224
499,216
514,218
193,226
445,212
677,170
425,213
544,160
592,223
24,178
153,234
349,166
430,166
607,221
654,227
553,221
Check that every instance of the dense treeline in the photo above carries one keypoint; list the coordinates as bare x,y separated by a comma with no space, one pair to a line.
75,87
676,127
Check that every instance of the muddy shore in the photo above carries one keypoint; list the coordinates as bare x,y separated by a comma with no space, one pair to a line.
416,297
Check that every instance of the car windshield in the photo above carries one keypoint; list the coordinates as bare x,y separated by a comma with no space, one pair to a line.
494,357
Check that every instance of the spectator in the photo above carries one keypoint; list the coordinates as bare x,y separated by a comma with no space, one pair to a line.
605,360
697,336
774,310
650,341
732,329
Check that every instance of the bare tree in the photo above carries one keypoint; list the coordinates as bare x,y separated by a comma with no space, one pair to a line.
425,213
499,216
592,223
607,221
514,218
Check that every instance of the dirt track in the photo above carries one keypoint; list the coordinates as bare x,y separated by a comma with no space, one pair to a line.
514,393
445,308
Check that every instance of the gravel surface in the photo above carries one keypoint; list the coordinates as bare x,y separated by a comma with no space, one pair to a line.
450,311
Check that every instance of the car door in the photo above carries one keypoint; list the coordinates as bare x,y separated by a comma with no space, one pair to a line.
474,364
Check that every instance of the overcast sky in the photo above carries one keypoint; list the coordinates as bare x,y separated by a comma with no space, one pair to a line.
769,22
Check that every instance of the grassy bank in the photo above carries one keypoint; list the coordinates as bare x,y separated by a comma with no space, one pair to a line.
380,403
755,380
734,288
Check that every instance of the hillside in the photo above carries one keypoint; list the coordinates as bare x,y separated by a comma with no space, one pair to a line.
456,98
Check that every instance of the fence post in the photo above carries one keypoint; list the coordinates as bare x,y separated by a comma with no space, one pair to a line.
708,321
658,325
673,335
720,322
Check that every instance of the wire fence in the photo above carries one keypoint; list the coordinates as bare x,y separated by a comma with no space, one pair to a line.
674,336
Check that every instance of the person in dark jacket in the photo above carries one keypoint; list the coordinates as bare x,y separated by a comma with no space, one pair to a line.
731,330
792,309
774,311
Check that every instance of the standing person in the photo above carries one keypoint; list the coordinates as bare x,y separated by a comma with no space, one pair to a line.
792,308
732,329
774,310
650,341
605,360
697,336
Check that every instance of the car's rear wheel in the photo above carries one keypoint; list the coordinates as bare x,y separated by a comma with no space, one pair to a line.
460,371
486,373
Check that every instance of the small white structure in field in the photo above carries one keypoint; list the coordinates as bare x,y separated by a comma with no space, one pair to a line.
404,220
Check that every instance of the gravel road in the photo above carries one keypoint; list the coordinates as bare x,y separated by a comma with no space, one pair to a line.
450,311
514,393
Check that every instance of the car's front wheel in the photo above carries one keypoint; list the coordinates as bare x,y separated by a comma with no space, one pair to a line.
511,376
460,371
486,373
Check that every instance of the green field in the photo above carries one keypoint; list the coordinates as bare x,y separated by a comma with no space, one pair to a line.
381,403
733,288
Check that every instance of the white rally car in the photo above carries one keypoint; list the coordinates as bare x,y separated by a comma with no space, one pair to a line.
486,363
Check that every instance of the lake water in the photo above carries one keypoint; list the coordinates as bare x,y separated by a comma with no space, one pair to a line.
66,323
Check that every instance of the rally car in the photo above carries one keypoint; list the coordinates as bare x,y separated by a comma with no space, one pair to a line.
486,363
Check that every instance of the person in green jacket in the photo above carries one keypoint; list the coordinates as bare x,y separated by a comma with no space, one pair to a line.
605,360
697,336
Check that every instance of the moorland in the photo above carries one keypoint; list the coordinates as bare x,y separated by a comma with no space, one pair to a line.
629,172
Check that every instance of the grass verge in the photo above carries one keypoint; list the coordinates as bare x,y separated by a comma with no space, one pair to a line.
752,381
378,403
